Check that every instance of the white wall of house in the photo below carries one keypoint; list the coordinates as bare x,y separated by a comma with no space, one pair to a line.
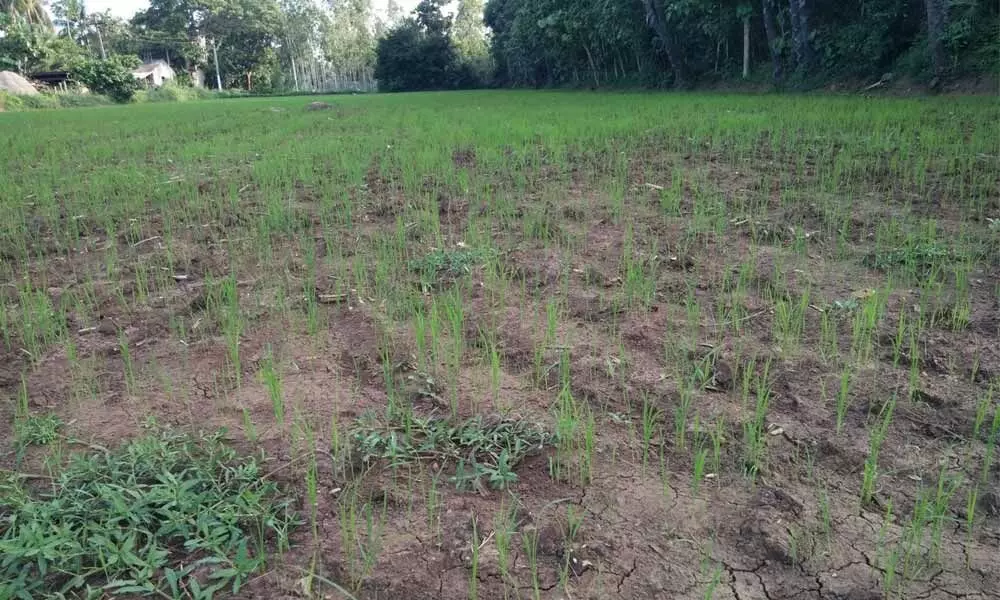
154,73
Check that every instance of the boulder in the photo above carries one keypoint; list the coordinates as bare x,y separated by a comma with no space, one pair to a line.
12,83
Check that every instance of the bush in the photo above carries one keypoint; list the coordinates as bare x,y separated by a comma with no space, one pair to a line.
9,102
410,59
419,55
173,92
111,77
13,102
166,93
76,100
39,101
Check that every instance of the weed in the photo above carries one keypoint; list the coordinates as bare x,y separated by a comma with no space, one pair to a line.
440,267
126,522
35,430
482,450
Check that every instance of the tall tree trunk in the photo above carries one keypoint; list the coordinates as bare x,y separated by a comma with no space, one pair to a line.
215,54
937,20
657,20
593,66
746,46
771,30
100,40
799,10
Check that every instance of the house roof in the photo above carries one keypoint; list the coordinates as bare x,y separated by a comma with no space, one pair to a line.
51,77
148,68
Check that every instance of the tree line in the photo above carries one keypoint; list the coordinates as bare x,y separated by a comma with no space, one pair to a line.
684,43
263,45
326,45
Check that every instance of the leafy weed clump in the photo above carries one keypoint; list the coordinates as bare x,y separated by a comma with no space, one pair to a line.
487,449
170,515
439,268
37,430
918,258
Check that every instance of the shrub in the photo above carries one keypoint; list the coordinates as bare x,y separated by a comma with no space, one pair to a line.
39,101
173,92
76,100
111,77
9,102
13,102
166,93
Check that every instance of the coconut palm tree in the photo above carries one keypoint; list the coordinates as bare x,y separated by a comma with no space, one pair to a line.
32,11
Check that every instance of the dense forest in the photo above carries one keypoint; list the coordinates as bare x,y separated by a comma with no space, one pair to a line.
328,45
684,42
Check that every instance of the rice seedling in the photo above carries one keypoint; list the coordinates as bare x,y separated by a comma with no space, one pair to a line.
362,525
698,471
271,379
876,436
650,423
681,414
529,542
755,428
843,397
127,364
573,438
714,583
474,570
504,526
789,320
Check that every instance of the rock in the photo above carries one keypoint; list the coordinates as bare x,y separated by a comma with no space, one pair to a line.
318,106
722,376
551,540
107,327
13,83
989,503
